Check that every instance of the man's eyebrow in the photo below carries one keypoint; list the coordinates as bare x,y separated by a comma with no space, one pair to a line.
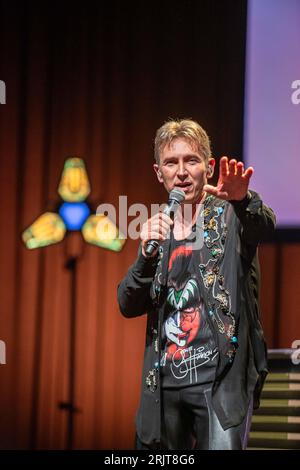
167,159
189,155
193,155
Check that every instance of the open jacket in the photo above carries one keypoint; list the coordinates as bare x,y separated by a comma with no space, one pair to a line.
230,273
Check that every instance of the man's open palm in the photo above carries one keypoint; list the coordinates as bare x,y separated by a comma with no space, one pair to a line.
233,181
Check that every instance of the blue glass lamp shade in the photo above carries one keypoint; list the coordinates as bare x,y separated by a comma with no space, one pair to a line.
74,214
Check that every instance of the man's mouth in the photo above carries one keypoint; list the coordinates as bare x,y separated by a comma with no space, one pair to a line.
184,186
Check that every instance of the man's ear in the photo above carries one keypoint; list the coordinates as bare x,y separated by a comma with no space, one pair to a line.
158,173
210,168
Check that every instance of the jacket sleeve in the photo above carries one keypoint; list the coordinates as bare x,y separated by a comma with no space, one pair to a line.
134,290
257,221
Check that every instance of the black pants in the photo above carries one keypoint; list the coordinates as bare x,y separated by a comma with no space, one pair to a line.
189,422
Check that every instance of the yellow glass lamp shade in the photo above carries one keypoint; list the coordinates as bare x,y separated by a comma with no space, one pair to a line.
46,230
101,231
74,185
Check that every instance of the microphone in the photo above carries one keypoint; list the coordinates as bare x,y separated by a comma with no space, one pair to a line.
176,197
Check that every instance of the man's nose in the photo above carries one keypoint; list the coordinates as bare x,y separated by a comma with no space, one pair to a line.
181,171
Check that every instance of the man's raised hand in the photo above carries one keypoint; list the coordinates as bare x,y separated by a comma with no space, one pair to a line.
233,181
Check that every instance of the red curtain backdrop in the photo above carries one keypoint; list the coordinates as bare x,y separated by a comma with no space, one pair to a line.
96,82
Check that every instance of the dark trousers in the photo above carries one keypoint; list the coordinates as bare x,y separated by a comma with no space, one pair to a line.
190,423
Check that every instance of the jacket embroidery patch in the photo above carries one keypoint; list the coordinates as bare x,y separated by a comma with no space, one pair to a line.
151,380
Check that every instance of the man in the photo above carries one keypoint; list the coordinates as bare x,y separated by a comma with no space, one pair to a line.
205,357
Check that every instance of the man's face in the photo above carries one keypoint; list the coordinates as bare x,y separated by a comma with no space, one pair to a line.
182,165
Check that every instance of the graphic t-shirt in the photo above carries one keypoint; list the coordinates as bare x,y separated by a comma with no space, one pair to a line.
189,353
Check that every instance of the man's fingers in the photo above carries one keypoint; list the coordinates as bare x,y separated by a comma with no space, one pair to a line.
232,167
165,218
215,192
240,169
158,224
224,166
156,228
160,231
153,235
210,189
248,173
156,236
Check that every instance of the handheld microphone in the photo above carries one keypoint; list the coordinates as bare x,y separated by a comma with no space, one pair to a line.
176,197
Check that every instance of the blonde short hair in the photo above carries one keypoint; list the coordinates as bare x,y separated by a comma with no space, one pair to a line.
186,129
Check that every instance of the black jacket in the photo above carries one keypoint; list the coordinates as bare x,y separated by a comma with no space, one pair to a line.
229,257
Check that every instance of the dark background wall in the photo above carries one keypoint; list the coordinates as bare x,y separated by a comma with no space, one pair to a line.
96,80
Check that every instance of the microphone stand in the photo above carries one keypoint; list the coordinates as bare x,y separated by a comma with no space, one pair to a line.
74,251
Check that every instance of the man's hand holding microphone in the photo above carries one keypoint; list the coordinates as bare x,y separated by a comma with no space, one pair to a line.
156,229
